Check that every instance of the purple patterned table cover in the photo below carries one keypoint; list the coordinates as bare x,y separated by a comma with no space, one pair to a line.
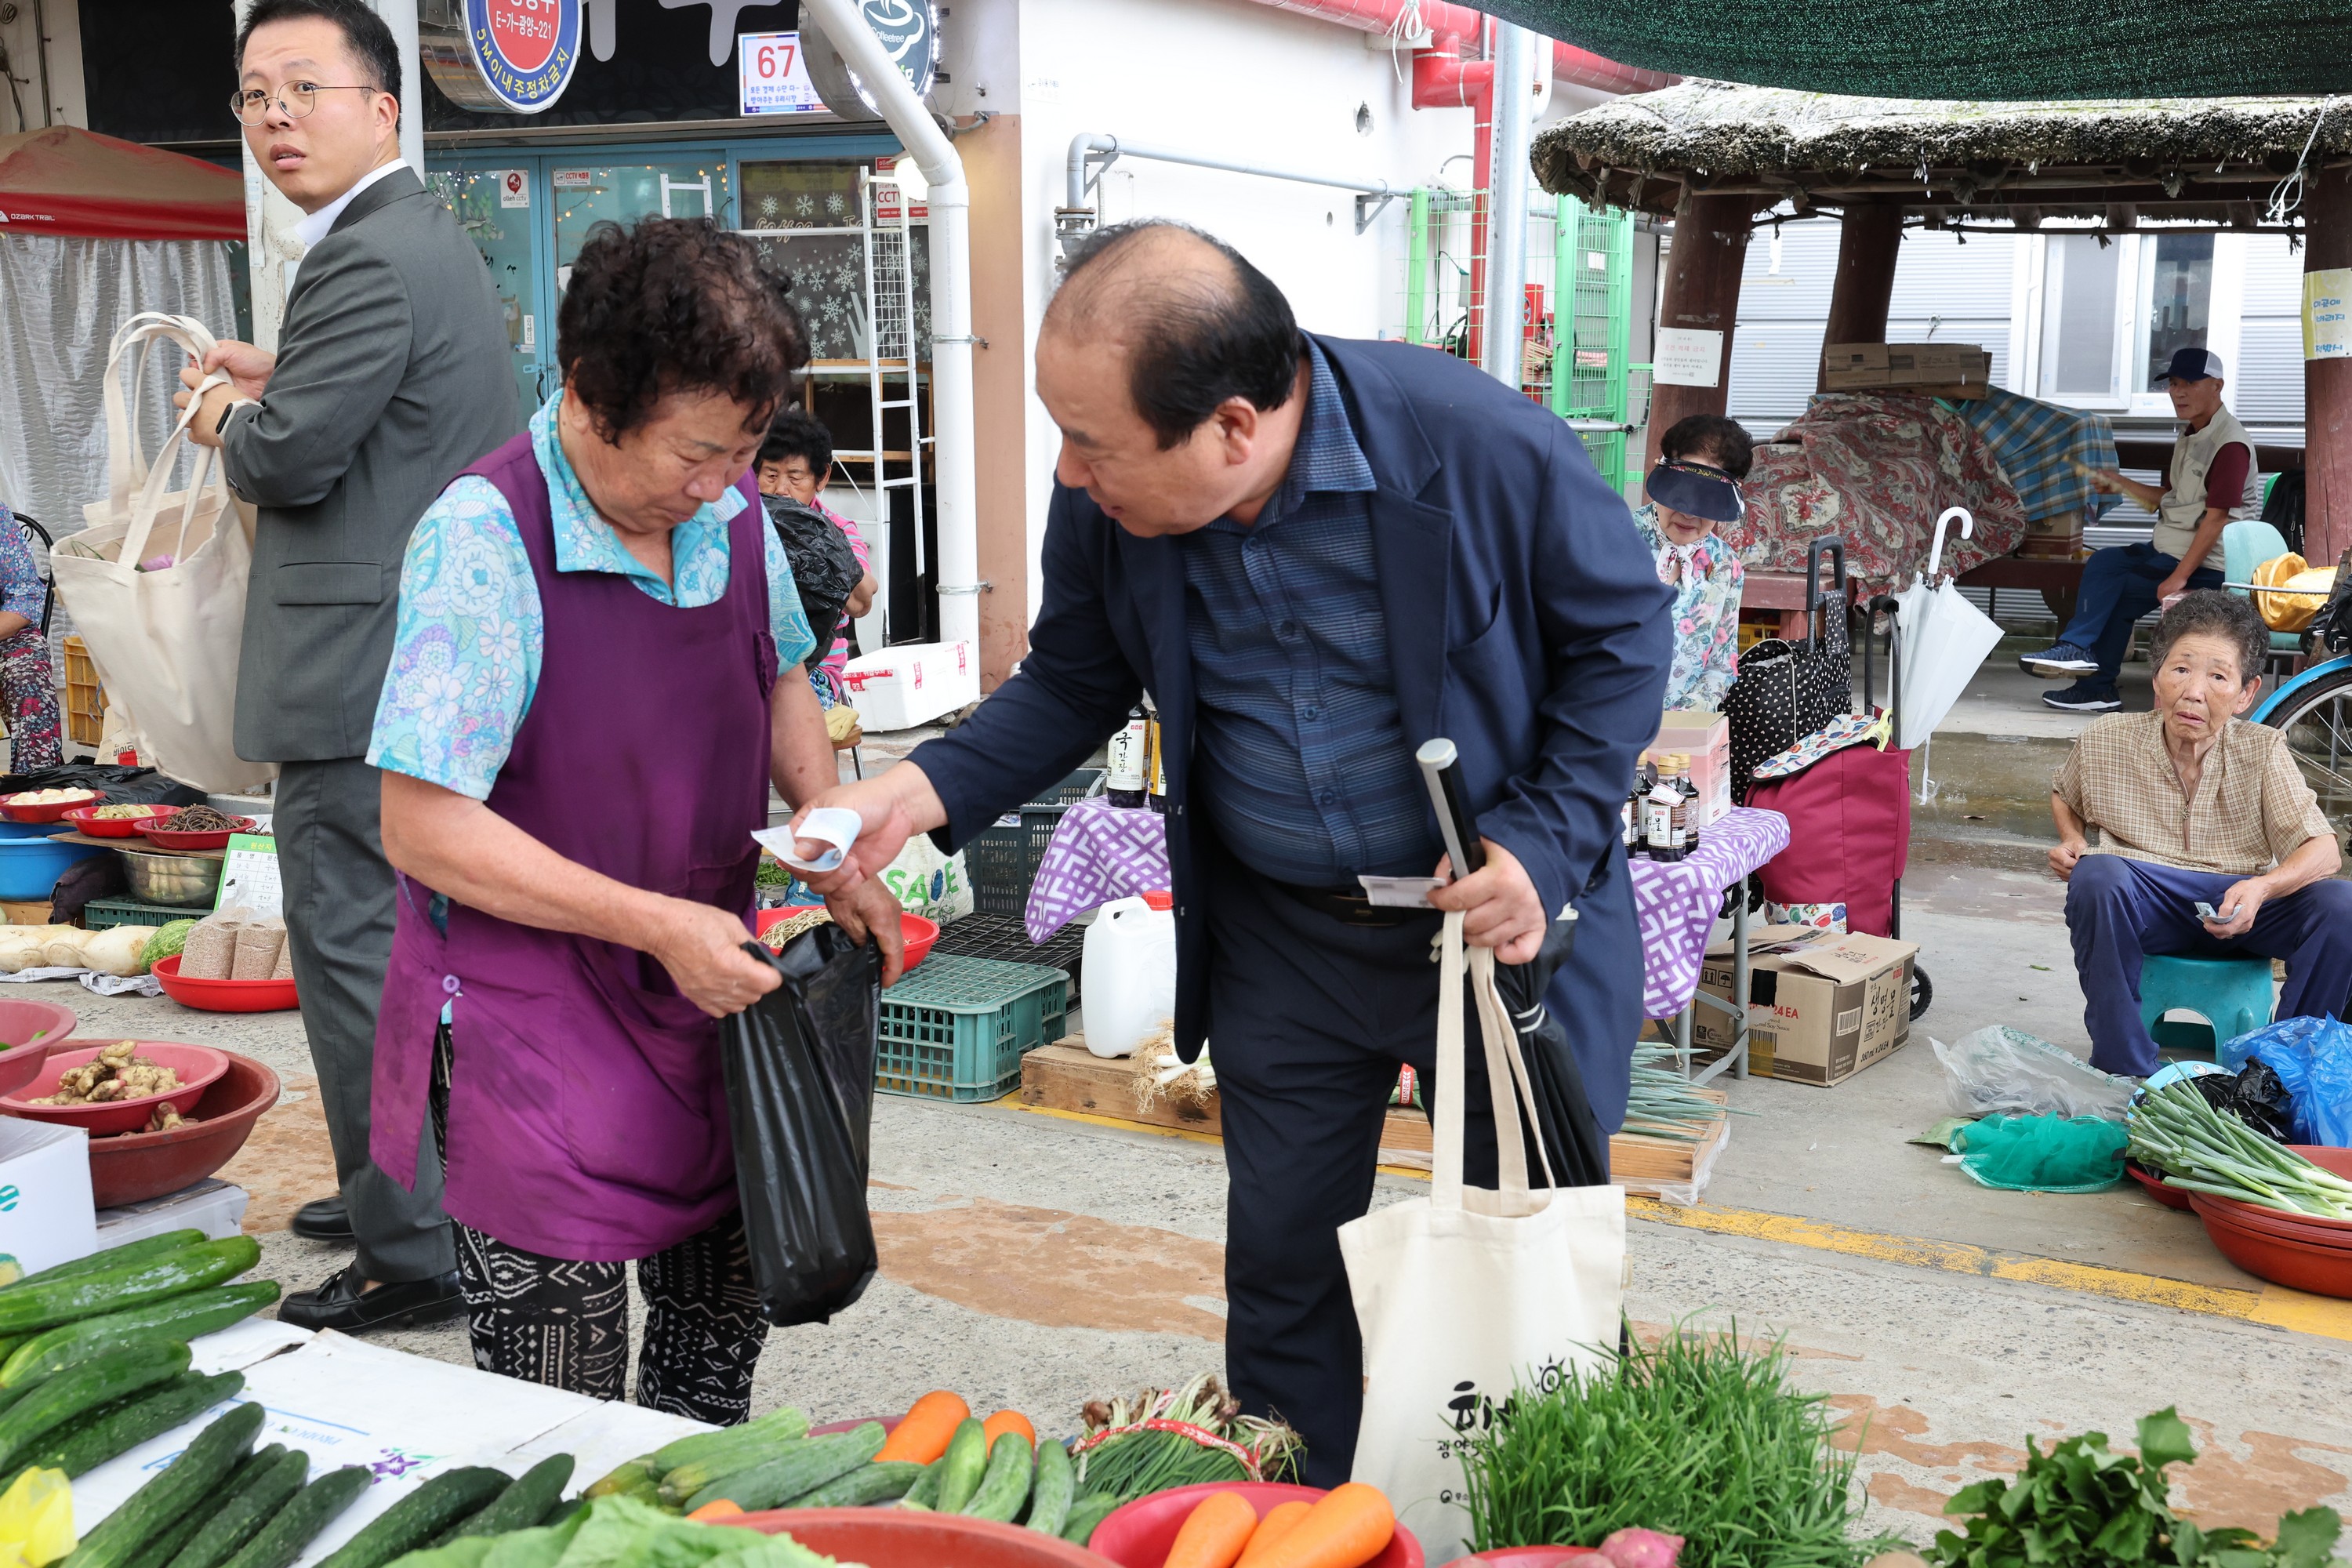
1101,852
1676,902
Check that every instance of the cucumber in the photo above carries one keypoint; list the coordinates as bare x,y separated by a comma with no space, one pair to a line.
1085,1514
755,1439
808,1464
562,1511
925,1493
150,1511
1049,1492
84,1445
248,1508
159,1553
966,1457
525,1503
451,1496
298,1524
133,1284
880,1481
1004,1485
185,1317
630,1475
85,1388
113,1257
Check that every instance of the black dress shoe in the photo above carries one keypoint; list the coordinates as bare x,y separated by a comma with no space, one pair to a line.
324,1219
339,1303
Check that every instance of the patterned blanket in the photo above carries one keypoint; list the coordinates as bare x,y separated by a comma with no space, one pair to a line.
2043,450
1874,469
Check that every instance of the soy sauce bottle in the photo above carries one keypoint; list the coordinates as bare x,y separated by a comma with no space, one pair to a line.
1128,760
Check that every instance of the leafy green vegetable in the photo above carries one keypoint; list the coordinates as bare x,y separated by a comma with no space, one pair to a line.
622,1532
1695,1436
2085,1506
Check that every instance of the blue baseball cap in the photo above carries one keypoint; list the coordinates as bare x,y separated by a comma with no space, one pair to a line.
2191,365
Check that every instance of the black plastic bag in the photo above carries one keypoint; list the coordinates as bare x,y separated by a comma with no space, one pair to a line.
799,1066
1572,1138
825,568
2254,1097
119,785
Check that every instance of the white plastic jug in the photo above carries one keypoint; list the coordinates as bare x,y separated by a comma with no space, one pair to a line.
1128,980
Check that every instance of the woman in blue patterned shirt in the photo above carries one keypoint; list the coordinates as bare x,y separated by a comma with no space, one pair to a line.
1695,486
29,690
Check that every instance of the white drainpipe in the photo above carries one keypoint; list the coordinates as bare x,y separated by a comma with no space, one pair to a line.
949,200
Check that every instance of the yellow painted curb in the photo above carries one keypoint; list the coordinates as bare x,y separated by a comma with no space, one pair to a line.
2272,1305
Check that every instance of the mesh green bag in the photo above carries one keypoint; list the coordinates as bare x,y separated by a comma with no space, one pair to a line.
2043,1154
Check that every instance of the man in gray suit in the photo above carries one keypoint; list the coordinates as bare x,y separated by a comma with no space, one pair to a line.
391,376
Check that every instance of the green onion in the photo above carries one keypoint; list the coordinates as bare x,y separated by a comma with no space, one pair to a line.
2177,1132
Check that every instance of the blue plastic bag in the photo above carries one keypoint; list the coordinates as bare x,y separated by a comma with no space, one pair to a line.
2313,1057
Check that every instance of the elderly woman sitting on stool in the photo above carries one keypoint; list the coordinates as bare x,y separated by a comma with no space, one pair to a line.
2210,843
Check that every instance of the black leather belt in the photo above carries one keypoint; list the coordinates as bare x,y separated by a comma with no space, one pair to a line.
1350,907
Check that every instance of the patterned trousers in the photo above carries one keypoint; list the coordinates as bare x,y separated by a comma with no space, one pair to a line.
566,1323
28,694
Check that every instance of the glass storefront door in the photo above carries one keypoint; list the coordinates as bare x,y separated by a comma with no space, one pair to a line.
498,207
589,192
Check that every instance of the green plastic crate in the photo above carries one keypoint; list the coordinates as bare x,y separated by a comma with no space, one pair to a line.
101,913
956,1027
1002,860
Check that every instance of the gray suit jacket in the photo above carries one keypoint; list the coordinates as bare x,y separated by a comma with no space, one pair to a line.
391,376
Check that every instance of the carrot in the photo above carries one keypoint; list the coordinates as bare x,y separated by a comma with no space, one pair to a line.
1347,1527
717,1508
1005,1421
1214,1532
922,1434
1271,1528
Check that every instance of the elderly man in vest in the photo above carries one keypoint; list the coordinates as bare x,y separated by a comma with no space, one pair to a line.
2209,481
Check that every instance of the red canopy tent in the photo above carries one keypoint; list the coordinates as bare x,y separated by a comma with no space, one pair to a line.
68,182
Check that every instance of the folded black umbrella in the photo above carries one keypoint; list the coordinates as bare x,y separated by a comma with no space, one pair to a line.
1572,1141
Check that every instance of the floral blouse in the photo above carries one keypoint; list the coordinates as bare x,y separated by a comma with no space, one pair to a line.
1706,577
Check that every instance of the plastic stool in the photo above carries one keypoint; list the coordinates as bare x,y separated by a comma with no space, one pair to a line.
2234,994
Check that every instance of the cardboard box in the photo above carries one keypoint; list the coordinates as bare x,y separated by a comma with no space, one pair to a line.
1822,1005
47,1216
912,684
1705,736
1944,369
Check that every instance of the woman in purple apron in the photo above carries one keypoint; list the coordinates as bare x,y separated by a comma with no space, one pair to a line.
583,714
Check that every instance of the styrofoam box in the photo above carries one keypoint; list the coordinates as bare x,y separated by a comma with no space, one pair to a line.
912,683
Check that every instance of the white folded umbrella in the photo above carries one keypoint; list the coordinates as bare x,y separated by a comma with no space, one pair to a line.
1943,639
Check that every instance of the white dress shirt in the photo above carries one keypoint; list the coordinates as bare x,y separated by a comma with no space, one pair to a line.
313,229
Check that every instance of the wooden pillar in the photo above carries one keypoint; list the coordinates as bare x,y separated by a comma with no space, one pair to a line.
2328,382
1702,291
1869,240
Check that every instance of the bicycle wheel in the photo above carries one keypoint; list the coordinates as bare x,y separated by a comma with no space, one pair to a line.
2318,725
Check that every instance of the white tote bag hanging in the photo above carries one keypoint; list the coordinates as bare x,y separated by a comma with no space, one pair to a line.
166,641
1465,1294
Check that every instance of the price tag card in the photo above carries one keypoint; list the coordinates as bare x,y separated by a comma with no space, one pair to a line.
249,876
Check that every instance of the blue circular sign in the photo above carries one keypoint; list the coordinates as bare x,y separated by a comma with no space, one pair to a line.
525,50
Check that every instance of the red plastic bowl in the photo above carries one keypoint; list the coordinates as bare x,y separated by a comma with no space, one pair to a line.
2283,1260
165,839
919,931
137,1166
2298,1226
29,1030
902,1538
2171,1197
84,819
50,811
224,995
1138,1534
1528,1556
199,1068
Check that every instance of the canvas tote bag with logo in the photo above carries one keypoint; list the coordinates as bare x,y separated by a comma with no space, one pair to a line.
166,641
1465,1294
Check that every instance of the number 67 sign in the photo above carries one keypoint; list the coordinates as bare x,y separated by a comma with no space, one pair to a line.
771,77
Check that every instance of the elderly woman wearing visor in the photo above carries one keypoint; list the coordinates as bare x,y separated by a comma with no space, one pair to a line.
1695,487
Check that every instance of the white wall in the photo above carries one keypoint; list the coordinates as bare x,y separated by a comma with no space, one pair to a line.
67,105
1231,79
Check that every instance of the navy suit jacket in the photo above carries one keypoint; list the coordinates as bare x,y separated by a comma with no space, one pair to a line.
1525,622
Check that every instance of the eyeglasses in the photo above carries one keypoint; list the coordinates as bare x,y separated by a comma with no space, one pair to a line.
297,98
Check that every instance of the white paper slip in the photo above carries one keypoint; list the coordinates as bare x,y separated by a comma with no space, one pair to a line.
827,823
1400,892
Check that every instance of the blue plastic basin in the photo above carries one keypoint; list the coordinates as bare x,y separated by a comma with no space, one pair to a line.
29,868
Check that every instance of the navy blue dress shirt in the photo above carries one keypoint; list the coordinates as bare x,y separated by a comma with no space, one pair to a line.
1302,763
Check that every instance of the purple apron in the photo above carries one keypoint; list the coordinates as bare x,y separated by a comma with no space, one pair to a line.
587,1120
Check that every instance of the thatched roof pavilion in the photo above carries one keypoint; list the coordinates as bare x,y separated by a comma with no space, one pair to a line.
1717,156
2211,161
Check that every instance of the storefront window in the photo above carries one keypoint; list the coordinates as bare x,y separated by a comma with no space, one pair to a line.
807,216
2181,295
588,194
2079,319
800,195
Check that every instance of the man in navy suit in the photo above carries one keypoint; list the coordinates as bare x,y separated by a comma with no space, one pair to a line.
1317,553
